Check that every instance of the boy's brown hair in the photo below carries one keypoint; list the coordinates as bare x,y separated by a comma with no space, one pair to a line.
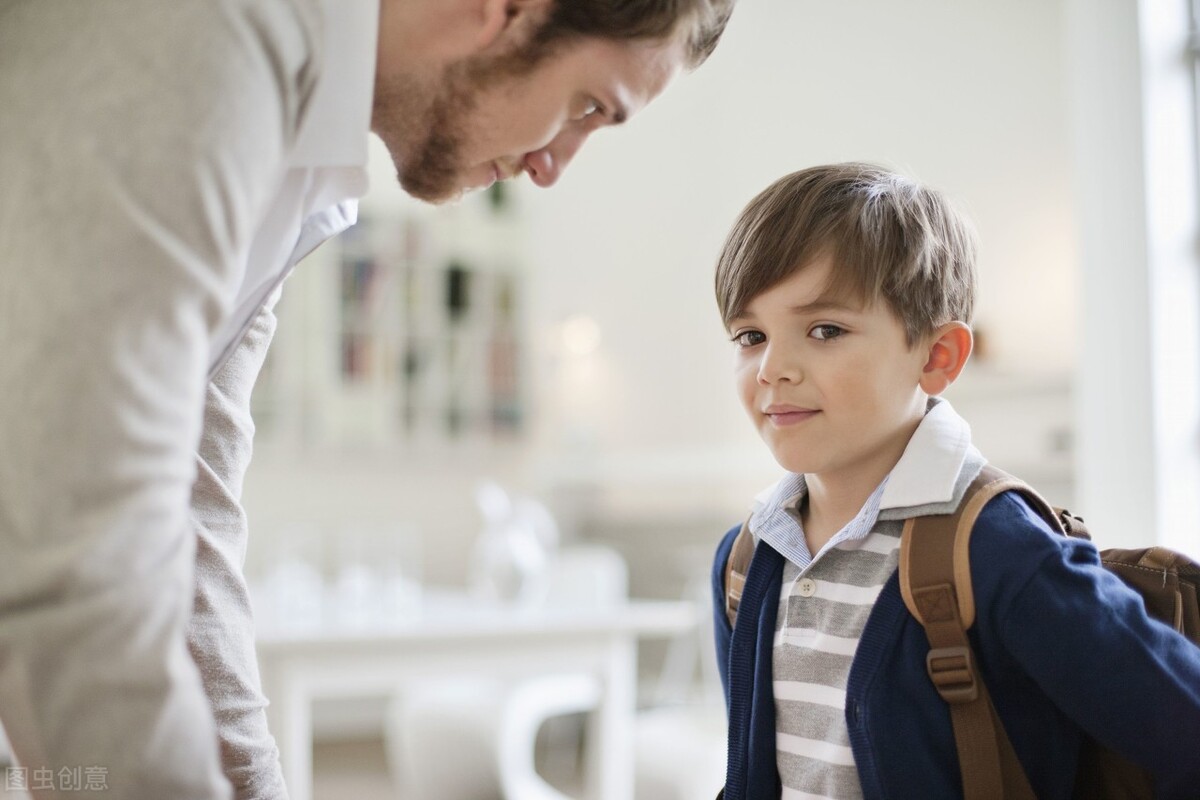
889,238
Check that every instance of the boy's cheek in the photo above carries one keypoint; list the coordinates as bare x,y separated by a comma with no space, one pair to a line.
746,385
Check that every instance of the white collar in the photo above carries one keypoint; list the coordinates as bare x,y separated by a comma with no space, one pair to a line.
336,124
932,461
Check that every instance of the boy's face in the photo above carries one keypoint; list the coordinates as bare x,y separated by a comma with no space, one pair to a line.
832,387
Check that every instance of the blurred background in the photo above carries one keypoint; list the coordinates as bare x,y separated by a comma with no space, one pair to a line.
461,400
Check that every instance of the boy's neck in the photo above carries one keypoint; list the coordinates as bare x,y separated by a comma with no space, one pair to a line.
826,512
833,500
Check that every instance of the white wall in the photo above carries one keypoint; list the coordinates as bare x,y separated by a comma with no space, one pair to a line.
1139,367
1008,107
967,96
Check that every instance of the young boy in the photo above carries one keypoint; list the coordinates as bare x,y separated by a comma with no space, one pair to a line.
848,291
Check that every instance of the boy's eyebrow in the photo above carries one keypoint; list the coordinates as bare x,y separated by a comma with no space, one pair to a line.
816,306
821,304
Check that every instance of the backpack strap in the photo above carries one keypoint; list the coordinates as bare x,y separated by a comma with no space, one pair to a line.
935,582
740,555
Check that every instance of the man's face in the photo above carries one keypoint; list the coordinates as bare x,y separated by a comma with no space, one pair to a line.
482,121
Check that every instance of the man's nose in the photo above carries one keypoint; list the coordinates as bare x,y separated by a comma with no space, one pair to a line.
547,164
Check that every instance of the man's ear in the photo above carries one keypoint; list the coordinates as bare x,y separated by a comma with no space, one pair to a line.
947,353
498,18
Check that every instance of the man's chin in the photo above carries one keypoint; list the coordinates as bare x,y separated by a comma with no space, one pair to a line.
427,191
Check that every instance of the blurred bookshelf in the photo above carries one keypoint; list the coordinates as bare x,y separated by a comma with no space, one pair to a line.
406,330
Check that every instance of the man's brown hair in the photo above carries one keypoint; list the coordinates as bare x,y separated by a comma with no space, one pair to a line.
700,22
889,238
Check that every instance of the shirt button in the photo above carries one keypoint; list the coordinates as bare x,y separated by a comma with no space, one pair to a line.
806,587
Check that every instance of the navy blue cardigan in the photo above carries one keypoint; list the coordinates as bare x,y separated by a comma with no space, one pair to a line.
1063,645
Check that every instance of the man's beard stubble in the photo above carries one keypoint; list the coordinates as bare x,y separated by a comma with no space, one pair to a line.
424,125
423,129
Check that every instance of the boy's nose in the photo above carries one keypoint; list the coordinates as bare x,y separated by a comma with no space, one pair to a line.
547,164
778,366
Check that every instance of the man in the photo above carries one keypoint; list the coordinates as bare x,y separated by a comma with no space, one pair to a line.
162,168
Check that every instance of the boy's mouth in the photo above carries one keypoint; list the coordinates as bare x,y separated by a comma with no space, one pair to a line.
780,414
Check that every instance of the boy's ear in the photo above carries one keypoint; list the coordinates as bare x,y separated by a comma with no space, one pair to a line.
948,350
497,18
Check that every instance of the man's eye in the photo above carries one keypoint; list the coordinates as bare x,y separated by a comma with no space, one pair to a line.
592,108
827,332
748,338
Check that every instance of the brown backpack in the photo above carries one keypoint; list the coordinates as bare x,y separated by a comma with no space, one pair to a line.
935,581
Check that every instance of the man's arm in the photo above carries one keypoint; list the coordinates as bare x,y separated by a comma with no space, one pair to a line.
221,633
141,142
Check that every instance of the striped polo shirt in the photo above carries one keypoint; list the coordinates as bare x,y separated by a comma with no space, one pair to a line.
827,597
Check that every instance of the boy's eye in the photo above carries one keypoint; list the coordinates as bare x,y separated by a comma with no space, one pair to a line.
826,332
748,338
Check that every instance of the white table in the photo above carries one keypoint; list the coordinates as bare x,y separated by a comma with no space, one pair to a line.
463,638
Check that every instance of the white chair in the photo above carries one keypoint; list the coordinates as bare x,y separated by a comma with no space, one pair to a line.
680,752
680,741
476,739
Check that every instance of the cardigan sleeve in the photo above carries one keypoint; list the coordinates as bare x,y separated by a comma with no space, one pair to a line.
1084,637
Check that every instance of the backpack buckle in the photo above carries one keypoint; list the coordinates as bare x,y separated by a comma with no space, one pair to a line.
952,670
